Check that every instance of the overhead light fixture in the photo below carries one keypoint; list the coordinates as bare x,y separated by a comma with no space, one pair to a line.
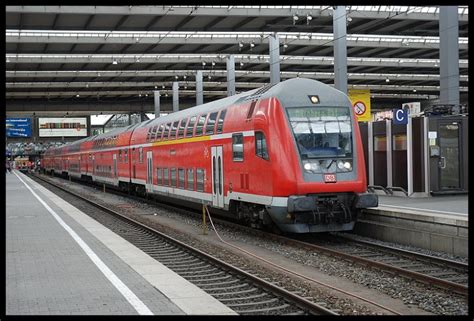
241,64
77,95
185,87
139,95
184,77
156,87
146,95
309,17
203,63
405,42
98,74
349,19
163,86
285,45
414,90
387,80
241,44
8,59
138,59
252,45
114,62
176,77
213,63
295,17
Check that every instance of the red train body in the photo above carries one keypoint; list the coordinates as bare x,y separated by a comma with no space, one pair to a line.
288,154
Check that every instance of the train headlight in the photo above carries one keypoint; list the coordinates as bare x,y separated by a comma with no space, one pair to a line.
340,164
307,166
348,166
314,167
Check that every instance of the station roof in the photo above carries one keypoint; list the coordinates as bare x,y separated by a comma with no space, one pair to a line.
89,53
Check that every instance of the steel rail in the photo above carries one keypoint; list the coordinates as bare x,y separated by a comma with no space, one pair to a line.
299,301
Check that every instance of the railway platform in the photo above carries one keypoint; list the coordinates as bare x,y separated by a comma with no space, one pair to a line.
438,223
61,261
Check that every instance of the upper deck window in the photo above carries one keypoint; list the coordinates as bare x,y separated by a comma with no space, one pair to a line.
200,125
220,122
167,131
211,122
182,124
190,128
174,129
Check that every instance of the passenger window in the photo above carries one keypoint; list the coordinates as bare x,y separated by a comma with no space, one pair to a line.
182,124
261,145
173,177
153,132
166,177
126,156
200,125
211,122
220,122
120,155
160,132
140,154
238,147
200,180
181,177
190,179
167,131
174,129
159,176
189,129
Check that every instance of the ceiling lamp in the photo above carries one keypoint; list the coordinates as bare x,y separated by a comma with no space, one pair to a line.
405,42
156,87
184,77
252,45
387,80
241,64
414,90
114,62
295,17
241,44
203,63
213,63
77,95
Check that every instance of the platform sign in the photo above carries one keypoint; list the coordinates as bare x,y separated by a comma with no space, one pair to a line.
360,99
18,127
400,117
414,107
62,127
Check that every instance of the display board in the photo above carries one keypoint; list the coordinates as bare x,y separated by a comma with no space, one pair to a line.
18,127
62,127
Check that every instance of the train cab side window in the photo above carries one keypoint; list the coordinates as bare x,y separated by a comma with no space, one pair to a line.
173,177
238,147
190,179
140,154
220,122
159,176
261,145
190,128
166,177
211,122
200,180
182,124
200,125
174,129
181,178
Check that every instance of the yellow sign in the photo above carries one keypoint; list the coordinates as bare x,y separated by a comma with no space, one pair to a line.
360,99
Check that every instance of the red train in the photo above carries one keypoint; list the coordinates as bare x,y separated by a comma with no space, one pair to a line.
288,154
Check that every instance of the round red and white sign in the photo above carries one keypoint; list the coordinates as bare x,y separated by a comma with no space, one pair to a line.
359,108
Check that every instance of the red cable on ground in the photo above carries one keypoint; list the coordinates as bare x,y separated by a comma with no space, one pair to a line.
297,274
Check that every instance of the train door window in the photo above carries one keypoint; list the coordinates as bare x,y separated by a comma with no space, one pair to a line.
261,145
148,135
181,177
200,125
140,154
182,124
238,147
166,177
160,132
159,176
153,132
174,129
167,131
173,177
190,128
220,122
211,123
126,156
200,180
190,179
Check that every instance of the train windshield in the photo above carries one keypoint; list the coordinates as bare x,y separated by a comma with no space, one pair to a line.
322,132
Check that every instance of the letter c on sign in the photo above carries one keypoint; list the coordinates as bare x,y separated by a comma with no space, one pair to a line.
397,113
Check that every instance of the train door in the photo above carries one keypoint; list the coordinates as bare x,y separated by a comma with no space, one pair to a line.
93,166
149,171
217,177
115,167
450,155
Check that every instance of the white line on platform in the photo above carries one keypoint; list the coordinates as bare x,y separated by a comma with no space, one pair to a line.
139,306
423,209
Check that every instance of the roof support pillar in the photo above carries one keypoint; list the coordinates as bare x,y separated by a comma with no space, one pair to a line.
274,53
340,48
175,96
449,54
157,103
230,75
199,92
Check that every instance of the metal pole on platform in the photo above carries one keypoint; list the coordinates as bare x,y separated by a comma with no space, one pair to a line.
204,226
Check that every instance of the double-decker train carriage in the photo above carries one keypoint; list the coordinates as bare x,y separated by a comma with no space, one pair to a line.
288,154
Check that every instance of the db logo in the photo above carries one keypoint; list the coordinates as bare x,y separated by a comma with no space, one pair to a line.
330,178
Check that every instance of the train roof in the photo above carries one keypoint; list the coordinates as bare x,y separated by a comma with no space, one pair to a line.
291,93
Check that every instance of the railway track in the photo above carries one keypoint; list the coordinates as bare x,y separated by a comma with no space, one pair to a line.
244,293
